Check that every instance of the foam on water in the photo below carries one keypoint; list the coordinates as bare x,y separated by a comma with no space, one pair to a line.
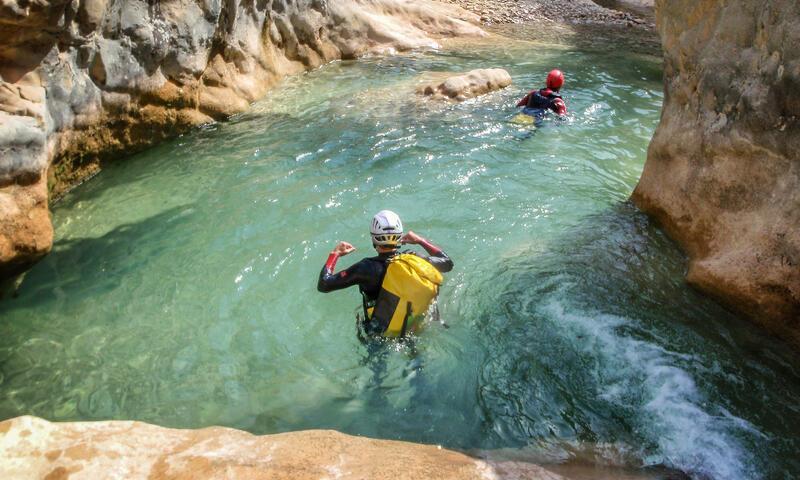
671,411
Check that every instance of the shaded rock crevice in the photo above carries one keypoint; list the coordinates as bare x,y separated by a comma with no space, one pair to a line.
87,80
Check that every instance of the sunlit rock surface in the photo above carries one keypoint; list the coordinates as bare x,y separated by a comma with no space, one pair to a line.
723,170
32,448
86,80
25,229
468,85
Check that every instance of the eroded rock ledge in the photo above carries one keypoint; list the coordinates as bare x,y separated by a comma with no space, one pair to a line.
34,448
723,169
85,80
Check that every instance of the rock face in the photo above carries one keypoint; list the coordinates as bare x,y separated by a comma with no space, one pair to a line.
723,170
85,80
33,448
468,85
25,229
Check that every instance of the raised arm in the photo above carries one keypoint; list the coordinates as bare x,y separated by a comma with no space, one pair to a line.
559,106
437,257
524,100
329,281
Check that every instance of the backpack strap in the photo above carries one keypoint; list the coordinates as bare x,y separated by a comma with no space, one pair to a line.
365,307
405,320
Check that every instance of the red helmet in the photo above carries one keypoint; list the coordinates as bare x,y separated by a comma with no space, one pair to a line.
555,79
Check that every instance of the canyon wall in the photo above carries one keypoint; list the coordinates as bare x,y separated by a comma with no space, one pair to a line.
723,169
86,80
34,449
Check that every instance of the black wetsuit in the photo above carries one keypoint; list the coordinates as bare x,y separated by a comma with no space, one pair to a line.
544,99
368,273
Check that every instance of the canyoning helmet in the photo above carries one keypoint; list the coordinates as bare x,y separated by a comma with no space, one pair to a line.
555,79
386,229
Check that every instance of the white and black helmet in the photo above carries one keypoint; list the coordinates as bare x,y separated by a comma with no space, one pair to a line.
386,229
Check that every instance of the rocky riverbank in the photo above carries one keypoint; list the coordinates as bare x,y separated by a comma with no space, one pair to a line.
81,82
570,12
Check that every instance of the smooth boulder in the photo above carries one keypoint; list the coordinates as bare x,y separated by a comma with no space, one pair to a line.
468,85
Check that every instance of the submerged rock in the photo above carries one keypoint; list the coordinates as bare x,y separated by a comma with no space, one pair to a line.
723,170
468,85
83,81
34,448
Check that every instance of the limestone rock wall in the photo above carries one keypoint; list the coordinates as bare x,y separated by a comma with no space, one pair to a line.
723,169
83,80
34,449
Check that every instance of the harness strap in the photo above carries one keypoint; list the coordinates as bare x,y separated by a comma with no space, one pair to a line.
405,320
365,307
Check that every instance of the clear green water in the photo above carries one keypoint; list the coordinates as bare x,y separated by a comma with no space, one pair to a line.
181,288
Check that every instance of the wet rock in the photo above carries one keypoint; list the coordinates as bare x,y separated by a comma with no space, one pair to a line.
723,170
34,448
468,85
83,81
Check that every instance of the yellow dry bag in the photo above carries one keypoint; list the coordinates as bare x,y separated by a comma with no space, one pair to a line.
410,285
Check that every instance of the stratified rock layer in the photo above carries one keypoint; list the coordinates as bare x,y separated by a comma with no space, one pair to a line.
85,80
32,448
723,170
468,85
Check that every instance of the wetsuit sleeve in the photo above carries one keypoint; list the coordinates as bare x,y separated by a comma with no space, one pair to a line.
329,281
524,100
437,257
441,261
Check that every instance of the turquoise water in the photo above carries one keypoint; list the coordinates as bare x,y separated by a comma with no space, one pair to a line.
182,286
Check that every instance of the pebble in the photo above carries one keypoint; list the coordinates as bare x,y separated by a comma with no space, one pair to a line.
567,11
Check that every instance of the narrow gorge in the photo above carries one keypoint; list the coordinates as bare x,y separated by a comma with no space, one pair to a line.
83,82
625,301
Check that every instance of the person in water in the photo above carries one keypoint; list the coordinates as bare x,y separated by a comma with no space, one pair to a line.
547,98
396,288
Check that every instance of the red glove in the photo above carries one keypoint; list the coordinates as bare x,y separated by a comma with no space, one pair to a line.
561,107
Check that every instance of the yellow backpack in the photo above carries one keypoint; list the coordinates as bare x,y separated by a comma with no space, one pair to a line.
410,285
